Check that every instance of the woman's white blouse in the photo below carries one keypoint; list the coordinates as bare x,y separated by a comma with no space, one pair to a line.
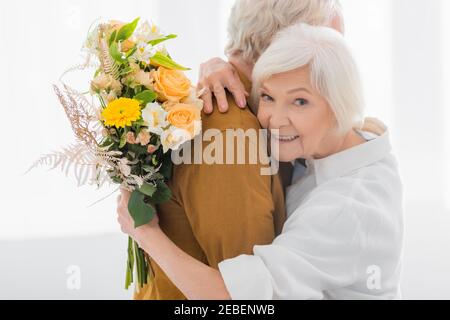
343,236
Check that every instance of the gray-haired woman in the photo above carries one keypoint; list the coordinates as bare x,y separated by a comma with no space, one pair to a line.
343,237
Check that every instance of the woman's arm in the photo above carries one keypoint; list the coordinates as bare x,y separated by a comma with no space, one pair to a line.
195,279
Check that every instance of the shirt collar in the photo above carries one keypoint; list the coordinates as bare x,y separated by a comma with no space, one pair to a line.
347,161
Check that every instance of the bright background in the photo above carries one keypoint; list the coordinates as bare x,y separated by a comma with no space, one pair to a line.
403,48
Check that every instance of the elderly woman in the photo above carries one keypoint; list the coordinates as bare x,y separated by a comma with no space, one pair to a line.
343,236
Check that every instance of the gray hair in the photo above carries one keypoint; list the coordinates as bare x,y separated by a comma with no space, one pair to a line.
333,70
253,23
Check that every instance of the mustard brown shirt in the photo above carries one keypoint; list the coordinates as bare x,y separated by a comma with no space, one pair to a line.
218,211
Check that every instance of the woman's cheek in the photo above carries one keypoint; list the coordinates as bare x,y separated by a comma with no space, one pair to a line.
263,117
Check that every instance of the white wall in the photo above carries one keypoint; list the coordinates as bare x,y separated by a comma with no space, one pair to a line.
403,48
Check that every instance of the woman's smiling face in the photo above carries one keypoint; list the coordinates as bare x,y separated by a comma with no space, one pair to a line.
290,104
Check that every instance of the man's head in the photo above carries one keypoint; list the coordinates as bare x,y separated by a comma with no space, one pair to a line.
254,23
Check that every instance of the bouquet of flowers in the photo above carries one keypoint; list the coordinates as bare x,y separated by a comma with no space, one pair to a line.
139,107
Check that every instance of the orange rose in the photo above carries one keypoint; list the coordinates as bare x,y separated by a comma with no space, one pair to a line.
171,85
184,116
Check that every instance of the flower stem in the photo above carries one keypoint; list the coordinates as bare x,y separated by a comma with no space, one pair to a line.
130,264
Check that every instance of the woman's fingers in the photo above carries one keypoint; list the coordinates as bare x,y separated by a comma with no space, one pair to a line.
124,227
219,75
237,89
221,97
124,219
122,202
207,101
125,194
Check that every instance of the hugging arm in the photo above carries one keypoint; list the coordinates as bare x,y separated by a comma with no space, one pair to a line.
195,279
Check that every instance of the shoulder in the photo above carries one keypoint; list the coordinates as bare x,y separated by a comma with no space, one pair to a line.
367,202
234,118
374,185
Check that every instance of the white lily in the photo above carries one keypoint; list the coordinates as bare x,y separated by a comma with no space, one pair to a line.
144,52
173,138
148,32
155,118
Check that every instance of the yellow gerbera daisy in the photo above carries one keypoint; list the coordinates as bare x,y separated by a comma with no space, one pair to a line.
121,112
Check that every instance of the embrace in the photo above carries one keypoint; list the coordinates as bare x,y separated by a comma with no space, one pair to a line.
329,224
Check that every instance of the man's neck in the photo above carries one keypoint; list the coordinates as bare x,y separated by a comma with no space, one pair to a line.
243,67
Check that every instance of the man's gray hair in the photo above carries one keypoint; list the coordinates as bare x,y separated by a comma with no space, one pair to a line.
253,23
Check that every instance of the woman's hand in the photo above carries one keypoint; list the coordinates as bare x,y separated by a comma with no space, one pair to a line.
126,221
195,279
216,75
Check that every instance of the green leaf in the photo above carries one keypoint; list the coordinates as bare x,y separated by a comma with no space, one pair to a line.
123,140
145,97
138,149
141,212
137,90
147,168
164,61
113,37
147,189
125,71
131,52
162,193
166,167
115,53
158,41
97,72
127,30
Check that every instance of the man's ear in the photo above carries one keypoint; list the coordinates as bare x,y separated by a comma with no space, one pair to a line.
337,23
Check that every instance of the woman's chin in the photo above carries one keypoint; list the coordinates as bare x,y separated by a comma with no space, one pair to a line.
287,151
288,154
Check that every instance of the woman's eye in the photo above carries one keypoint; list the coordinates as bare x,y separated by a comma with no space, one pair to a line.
266,97
301,102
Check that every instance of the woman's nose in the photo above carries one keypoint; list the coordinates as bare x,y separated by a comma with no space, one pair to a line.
279,119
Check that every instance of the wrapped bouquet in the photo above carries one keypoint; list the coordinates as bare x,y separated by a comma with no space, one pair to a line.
139,106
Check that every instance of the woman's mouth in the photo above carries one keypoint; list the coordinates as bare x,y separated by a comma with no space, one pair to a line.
285,138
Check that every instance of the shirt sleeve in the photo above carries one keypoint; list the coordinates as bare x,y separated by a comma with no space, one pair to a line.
318,250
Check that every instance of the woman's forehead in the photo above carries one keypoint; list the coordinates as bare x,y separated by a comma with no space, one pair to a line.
289,81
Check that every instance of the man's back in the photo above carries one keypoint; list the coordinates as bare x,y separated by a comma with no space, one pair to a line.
219,211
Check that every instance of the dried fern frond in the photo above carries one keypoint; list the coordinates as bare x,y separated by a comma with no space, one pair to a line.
109,65
89,62
88,166
134,181
76,157
80,115
88,107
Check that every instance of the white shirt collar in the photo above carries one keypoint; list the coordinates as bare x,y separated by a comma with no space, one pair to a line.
347,161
